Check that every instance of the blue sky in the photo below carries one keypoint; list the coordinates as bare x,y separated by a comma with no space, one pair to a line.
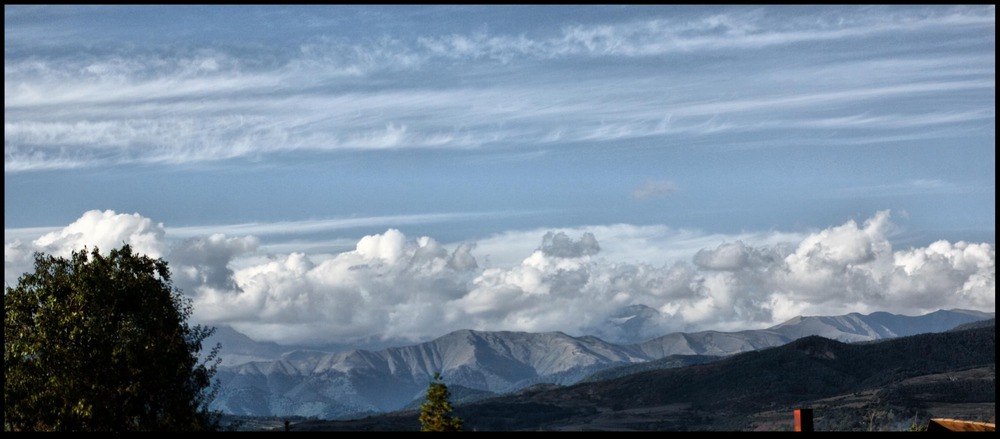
672,129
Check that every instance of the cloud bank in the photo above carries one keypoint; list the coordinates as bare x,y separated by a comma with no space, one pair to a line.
394,288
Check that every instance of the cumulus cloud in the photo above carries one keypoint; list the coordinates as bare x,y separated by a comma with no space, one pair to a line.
963,269
387,286
391,287
561,245
728,256
205,260
105,230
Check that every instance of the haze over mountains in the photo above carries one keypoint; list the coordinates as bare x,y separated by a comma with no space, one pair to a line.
264,379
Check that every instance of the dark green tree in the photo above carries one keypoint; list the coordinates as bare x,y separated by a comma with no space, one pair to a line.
102,343
435,414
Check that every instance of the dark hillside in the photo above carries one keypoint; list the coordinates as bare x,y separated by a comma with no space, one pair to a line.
980,324
807,369
670,362
899,377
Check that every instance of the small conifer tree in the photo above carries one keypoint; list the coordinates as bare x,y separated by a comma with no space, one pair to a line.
435,414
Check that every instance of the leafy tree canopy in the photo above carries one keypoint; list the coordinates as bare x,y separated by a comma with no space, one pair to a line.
435,414
101,343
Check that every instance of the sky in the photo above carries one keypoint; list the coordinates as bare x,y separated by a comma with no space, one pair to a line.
379,174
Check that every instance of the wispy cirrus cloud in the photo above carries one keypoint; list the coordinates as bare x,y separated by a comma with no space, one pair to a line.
272,228
737,29
911,187
88,107
217,129
330,224
896,120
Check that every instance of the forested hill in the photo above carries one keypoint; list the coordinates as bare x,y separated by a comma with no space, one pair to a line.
805,370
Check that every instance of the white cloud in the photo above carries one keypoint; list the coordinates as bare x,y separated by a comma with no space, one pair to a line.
732,30
962,269
369,291
651,244
206,260
330,224
651,189
91,108
105,230
94,229
728,256
392,287
559,245
842,264
203,126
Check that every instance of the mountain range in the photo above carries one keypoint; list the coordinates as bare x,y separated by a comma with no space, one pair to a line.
266,379
889,385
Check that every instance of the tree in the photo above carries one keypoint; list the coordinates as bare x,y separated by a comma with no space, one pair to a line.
435,414
101,343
